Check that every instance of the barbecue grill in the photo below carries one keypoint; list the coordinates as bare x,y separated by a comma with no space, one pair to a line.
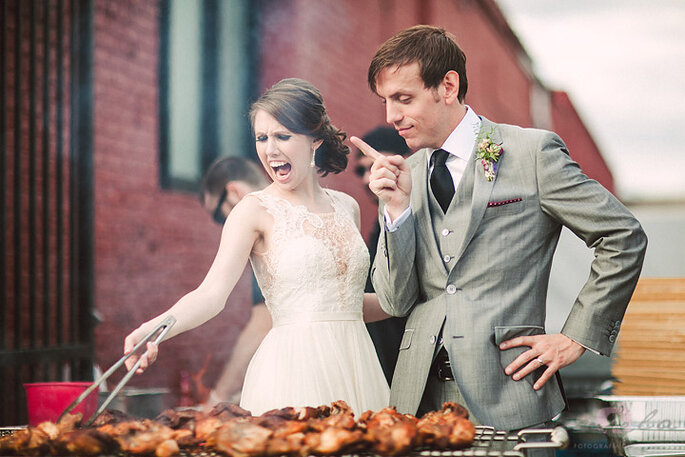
488,442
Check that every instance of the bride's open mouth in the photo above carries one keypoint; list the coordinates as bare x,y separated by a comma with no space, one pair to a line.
280,169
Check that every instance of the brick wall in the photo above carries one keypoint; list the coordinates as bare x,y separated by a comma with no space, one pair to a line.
582,147
152,245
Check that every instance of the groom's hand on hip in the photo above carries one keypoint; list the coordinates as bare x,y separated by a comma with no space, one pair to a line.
390,178
553,351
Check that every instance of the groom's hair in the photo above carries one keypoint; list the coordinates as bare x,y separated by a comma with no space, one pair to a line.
433,48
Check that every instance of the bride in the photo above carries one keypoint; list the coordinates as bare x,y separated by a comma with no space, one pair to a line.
310,261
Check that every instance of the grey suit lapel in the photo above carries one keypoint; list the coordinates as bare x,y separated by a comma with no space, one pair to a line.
475,190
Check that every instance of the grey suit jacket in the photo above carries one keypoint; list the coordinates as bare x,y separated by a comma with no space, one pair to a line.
495,285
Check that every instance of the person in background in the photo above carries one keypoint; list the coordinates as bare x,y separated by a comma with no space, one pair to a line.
224,184
472,221
386,334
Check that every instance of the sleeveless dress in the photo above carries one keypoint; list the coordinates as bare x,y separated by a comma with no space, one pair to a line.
312,277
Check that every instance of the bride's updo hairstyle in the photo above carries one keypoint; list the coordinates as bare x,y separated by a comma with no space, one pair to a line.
298,106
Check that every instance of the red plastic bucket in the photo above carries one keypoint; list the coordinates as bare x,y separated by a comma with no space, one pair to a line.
45,401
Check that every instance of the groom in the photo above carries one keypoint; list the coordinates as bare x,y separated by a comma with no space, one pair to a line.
471,224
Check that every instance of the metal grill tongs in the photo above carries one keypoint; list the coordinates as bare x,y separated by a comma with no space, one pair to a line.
161,330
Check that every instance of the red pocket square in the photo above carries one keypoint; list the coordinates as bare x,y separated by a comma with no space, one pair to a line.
503,202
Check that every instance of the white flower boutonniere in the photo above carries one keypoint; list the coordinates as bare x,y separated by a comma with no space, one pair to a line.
489,153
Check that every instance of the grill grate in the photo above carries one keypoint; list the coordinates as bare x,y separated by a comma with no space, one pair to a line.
4,431
488,442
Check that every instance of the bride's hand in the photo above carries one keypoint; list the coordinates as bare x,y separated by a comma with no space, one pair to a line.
372,309
147,359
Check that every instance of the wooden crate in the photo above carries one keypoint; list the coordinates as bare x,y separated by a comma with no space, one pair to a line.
650,356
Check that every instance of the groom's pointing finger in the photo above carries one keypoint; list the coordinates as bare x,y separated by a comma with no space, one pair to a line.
367,150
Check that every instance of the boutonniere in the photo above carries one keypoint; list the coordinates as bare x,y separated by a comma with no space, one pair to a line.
489,153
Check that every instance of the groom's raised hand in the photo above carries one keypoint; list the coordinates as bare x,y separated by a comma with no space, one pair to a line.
390,178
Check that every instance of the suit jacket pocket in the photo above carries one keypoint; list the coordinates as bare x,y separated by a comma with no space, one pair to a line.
406,338
504,207
504,333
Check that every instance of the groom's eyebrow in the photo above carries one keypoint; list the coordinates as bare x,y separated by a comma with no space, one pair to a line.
395,96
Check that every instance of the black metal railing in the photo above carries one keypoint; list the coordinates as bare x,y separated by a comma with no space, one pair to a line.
46,196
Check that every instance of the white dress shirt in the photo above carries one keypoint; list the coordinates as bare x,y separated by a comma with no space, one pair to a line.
459,144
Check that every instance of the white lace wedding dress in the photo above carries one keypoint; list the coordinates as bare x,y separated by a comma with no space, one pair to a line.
312,278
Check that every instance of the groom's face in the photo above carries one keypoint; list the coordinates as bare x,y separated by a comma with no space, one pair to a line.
416,112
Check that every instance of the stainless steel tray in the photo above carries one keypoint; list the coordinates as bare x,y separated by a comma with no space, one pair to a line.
628,420
655,450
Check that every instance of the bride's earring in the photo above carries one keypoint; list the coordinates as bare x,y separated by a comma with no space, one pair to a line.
313,162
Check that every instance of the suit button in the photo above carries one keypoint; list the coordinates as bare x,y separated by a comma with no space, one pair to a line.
432,339
612,338
445,232
451,289
447,258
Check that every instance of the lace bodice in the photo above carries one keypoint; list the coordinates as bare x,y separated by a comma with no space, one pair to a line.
316,262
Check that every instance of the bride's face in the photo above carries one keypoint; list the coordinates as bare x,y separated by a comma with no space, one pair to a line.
285,155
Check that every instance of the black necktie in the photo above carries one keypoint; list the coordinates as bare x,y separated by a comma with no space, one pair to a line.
441,180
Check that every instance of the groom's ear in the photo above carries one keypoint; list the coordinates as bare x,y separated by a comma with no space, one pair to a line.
450,84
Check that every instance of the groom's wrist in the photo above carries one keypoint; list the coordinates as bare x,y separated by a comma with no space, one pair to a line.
393,223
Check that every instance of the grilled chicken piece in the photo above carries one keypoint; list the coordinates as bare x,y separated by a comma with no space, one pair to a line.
450,407
229,410
344,420
68,423
240,438
185,438
179,419
462,434
448,428
280,427
291,444
111,416
332,441
388,432
84,442
333,430
145,442
167,448
307,412
340,406
204,428
302,413
138,437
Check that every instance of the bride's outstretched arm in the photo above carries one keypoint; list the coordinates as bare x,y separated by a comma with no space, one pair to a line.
372,309
238,236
